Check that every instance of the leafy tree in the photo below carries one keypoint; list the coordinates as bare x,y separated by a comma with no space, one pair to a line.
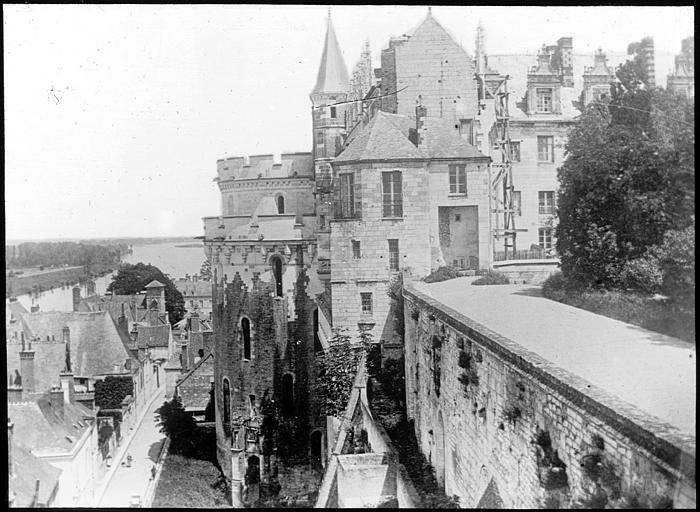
131,279
205,271
176,423
628,180
110,392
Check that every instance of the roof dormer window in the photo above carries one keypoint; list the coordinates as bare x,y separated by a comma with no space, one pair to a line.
544,100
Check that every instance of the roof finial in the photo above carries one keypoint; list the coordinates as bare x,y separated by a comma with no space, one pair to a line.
430,10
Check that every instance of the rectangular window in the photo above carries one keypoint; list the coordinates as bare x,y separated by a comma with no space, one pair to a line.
394,254
466,130
392,197
458,179
356,249
322,221
545,148
333,114
366,303
545,238
544,100
347,196
319,137
515,151
546,201
517,203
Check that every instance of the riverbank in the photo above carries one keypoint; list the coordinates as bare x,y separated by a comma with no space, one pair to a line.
50,279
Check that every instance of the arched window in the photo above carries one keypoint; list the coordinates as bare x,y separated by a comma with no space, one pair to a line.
280,204
277,272
227,407
288,395
245,327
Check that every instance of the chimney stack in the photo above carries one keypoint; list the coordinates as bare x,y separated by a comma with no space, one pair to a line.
26,363
57,401
195,325
68,387
76,297
121,321
34,308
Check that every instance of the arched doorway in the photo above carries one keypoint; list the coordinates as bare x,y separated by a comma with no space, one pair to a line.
252,474
280,204
227,408
316,441
440,452
288,395
277,273
245,328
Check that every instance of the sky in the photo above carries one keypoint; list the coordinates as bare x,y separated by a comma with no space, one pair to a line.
115,115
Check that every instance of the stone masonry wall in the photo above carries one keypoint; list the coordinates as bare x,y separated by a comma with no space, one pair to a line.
485,409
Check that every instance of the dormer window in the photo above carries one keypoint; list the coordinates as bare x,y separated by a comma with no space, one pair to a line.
333,113
544,100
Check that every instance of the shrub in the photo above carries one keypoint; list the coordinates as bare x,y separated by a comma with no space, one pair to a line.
643,274
442,274
492,277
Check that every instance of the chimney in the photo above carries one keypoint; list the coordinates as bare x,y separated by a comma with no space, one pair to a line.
565,50
121,321
26,364
34,308
195,325
416,136
647,54
68,387
185,359
76,297
195,278
57,401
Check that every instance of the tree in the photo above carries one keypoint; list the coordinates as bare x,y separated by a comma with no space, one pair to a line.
176,423
131,279
627,181
205,271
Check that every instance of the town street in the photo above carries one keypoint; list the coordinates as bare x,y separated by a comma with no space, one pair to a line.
144,447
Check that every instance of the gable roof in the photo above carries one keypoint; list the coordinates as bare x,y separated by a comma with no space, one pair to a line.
332,74
39,427
198,288
194,387
95,346
27,470
153,335
381,139
155,284
441,141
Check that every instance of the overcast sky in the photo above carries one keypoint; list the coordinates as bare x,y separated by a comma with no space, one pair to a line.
115,115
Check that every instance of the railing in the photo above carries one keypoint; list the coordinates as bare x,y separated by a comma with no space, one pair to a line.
530,254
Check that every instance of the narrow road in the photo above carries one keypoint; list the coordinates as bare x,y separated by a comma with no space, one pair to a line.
144,448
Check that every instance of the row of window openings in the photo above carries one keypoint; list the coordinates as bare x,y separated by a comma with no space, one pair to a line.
545,149
545,202
393,252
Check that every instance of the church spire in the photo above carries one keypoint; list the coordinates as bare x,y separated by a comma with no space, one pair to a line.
332,74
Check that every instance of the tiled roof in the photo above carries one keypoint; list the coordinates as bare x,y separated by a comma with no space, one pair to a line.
95,346
193,288
174,361
332,74
39,427
381,139
194,387
153,335
441,141
28,469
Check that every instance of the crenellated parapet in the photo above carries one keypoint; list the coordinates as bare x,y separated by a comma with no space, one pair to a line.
288,165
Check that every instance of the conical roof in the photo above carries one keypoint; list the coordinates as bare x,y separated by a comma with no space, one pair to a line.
332,73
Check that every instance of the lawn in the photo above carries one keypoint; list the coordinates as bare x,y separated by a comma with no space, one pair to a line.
192,481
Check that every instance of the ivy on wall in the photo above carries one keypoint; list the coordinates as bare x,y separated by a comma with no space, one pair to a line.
110,392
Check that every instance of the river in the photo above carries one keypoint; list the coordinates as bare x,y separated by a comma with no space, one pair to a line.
172,260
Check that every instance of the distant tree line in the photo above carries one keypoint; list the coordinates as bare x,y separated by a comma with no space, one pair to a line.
45,254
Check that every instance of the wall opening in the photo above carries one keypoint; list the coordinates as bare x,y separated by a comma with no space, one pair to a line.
318,347
227,407
252,474
245,327
316,441
277,273
288,395
280,204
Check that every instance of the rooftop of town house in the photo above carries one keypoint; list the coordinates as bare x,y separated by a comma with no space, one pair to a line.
189,288
38,425
650,371
194,387
28,469
153,335
95,346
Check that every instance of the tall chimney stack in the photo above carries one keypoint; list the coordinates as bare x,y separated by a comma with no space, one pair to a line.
57,401
76,297
26,364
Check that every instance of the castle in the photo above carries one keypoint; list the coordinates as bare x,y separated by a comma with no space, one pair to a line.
399,180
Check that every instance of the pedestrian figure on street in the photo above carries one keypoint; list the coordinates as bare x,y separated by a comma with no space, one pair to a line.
128,460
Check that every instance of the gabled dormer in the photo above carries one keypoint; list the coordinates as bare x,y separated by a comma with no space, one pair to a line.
543,87
597,79
682,80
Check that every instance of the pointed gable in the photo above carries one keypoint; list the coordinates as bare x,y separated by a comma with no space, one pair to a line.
332,74
430,29
381,139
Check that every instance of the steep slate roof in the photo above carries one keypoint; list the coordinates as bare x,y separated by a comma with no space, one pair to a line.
38,426
332,74
193,289
381,139
153,335
194,387
385,137
27,469
95,346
